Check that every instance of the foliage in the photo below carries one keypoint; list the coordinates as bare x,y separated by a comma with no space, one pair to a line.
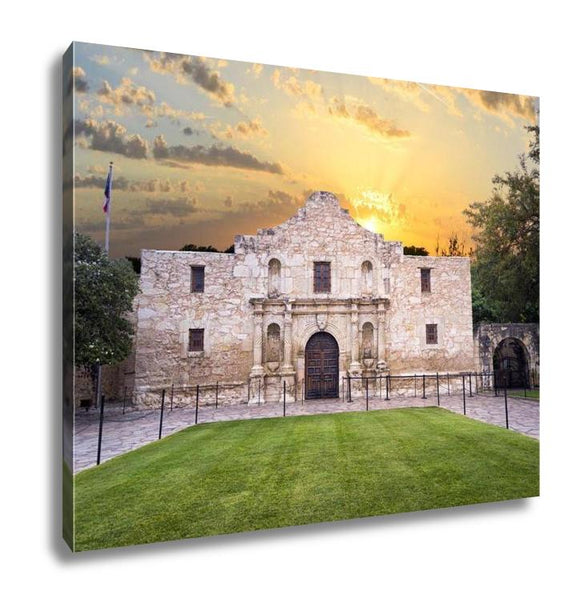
455,247
507,238
239,476
104,293
191,247
136,262
415,251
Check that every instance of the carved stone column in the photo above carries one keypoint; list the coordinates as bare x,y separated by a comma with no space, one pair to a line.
381,359
288,338
355,366
258,368
287,372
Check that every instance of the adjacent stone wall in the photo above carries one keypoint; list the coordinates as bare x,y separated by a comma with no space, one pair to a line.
488,336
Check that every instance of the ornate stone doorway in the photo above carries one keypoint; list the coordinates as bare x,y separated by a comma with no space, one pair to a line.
321,366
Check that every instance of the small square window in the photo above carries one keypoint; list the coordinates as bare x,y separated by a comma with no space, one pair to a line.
425,280
195,340
197,279
321,277
431,332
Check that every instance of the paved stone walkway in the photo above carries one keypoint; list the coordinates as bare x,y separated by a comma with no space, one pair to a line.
125,432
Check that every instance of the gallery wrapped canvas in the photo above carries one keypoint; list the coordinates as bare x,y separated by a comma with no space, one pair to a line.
291,296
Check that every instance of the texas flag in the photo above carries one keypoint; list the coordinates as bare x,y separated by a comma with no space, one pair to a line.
108,185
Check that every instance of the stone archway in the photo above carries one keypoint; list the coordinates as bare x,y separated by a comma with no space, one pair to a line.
511,364
321,366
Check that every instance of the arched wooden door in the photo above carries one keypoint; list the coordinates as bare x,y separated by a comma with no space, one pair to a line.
321,358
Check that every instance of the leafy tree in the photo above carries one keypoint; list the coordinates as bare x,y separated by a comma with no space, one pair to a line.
415,251
455,247
104,293
191,247
136,262
507,238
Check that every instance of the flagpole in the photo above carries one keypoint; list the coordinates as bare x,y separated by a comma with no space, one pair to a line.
108,222
107,231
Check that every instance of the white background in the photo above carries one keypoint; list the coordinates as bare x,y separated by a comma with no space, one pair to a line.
509,557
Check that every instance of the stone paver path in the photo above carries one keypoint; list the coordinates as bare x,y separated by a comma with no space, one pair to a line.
125,432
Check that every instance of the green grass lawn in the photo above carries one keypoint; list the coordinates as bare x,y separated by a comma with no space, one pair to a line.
255,474
529,393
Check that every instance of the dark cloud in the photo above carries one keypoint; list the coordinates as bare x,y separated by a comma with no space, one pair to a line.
369,118
195,69
178,208
498,102
127,94
212,156
123,184
80,83
109,136
188,131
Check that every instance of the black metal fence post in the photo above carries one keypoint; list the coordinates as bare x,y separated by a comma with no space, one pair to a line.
171,399
494,383
284,400
463,377
101,417
367,392
349,389
424,396
161,416
507,424
437,377
196,402
387,387
470,394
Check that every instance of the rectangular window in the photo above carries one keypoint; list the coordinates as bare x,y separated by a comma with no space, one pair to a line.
322,277
195,340
197,278
431,331
425,280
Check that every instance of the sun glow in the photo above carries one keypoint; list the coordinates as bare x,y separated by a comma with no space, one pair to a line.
377,211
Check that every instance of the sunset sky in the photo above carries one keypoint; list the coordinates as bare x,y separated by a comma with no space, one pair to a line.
205,149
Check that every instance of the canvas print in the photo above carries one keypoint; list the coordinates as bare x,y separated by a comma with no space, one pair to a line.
291,296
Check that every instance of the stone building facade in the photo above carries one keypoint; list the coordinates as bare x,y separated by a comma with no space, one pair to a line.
298,307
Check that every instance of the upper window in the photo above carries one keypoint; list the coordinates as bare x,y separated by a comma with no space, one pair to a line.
197,278
321,277
195,340
425,280
431,332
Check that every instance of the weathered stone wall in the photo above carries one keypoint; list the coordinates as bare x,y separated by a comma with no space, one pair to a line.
375,308
447,304
488,336
167,309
